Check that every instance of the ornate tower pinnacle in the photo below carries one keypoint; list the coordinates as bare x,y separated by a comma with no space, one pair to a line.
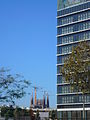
35,97
32,100
47,101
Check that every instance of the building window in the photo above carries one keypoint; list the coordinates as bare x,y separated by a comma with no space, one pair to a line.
59,50
59,59
75,27
83,26
66,89
64,58
67,39
59,69
67,20
68,29
59,41
66,49
60,79
88,98
70,19
84,15
83,36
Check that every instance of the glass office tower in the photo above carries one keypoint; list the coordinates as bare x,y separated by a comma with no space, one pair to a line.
73,26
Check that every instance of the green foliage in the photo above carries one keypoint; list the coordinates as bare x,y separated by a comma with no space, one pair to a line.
53,114
11,86
3,111
46,118
17,113
7,112
37,115
76,68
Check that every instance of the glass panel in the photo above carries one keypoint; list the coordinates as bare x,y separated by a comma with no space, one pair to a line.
69,115
73,115
88,115
65,116
66,3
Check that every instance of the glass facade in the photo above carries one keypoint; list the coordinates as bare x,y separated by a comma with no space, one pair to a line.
70,10
72,18
67,3
83,35
73,28
73,25
70,98
73,115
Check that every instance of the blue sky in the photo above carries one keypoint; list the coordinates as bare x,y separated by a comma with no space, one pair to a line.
28,43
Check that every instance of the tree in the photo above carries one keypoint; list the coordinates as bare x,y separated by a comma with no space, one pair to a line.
4,110
53,114
18,113
11,86
37,115
7,112
76,68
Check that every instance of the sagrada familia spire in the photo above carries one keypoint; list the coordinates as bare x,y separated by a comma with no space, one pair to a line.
39,103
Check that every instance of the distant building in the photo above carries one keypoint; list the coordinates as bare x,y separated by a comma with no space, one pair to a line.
47,101
44,113
39,103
